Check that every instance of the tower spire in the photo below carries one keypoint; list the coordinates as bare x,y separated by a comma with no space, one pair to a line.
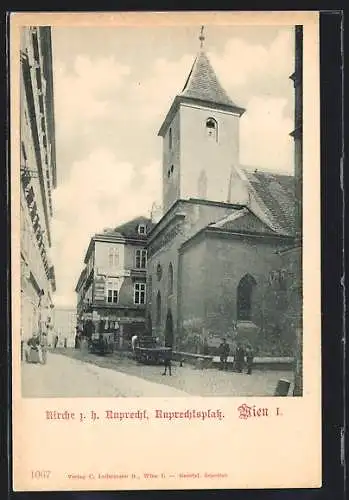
202,37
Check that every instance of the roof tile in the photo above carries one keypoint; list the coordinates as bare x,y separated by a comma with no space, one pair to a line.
277,194
244,221
202,83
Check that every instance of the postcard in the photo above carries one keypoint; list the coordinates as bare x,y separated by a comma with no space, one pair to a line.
165,204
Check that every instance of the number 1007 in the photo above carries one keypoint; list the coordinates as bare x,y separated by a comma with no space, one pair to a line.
41,474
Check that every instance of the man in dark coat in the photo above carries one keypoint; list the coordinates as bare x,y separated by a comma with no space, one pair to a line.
77,338
206,349
33,354
239,358
249,358
168,361
224,353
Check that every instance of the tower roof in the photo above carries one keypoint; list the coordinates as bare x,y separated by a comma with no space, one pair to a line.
202,83
202,86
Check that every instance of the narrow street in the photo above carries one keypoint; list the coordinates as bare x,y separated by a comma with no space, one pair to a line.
69,378
71,373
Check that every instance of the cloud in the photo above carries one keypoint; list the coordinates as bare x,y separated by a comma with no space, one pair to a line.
244,66
99,193
264,135
82,95
153,96
241,66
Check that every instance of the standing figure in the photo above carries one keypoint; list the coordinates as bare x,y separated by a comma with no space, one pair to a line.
168,361
44,344
224,353
33,354
134,342
249,358
205,348
55,342
65,342
77,343
239,357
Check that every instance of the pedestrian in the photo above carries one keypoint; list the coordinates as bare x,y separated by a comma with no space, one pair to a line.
33,355
65,342
44,344
168,361
249,358
134,342
205,347
239,358
77,338
224,353
55,342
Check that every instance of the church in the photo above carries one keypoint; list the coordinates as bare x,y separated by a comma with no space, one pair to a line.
216,257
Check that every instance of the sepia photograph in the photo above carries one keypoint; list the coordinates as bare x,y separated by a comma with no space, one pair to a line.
161,211
165,250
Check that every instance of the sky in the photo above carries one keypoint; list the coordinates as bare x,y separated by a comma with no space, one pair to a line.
112,90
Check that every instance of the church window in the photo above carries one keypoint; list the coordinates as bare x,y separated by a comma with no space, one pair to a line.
159,272
158,308
170,138
170,279
212,128
244,297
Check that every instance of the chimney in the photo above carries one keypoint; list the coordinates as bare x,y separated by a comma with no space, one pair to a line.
155,213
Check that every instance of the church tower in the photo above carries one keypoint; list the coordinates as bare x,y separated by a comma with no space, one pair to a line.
200,138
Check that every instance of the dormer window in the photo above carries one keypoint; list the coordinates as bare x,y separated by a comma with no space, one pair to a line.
212,128
142,229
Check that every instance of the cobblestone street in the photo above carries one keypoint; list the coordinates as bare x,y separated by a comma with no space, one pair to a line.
70,373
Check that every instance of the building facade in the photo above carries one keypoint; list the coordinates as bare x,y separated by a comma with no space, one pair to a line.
64,326
111,290
212,256
38,179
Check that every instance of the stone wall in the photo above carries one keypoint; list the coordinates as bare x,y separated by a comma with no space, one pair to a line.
211,272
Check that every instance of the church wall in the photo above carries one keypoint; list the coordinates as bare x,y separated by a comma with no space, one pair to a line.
212,271
228,260
168,301
203,156
171,164
192,293
197,216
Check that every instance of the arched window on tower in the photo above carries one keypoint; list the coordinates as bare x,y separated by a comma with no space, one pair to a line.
158,309
244,297
170,279
170,138
212,129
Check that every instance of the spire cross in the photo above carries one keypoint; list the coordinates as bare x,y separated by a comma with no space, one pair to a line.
202,37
